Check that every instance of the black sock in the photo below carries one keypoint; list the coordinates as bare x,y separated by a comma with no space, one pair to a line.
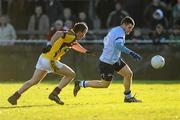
56,91
127,92
17,95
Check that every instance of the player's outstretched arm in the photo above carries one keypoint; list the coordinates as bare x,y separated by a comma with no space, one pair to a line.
136,56
124,49
77,47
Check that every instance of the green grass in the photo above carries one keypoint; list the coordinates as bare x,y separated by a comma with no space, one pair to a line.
161,101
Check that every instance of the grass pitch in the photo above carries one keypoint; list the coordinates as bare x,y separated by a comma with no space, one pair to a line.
161,101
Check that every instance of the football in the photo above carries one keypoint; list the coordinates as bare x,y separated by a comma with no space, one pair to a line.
157,62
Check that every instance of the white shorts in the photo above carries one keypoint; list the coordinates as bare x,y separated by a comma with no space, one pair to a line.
46,64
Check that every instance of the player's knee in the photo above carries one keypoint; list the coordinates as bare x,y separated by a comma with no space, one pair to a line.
129,74
72,74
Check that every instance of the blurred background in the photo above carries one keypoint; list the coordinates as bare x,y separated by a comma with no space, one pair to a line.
27,25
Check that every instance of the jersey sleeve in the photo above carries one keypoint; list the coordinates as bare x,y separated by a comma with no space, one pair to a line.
119,37
119,42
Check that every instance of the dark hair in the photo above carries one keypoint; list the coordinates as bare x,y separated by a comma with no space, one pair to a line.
80,27
127,20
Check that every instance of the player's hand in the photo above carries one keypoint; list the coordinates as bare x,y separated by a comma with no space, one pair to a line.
92,53
46,49
136,56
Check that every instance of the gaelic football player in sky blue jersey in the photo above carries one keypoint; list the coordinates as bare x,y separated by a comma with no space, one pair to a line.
110,61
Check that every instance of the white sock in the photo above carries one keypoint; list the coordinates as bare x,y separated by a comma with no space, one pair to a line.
128,96
83,83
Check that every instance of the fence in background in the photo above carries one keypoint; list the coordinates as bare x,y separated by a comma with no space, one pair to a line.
18,59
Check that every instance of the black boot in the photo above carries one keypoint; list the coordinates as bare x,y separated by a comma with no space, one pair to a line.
13,99
54,96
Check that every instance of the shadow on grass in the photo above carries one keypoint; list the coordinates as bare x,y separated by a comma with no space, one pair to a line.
149,81
28,106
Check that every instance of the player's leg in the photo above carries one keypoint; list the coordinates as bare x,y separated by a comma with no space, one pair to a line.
127,73
95,84
68,75
106,71
37,76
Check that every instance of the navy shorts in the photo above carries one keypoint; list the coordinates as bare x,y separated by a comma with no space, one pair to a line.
107,70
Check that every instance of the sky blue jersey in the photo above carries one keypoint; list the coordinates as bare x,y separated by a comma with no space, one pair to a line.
110,53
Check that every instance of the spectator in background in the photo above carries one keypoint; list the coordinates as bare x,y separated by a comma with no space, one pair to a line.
135,10
7,31
82,17
159,34
67,15
115,16
54,10
38,24
175,32
155,13
23,9
68,24
101,7
58,26
137,34
96,22
176,13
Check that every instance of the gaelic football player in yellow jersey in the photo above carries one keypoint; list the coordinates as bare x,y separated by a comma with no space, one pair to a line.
49,62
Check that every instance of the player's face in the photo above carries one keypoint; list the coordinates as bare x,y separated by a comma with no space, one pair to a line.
128,28
81,35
